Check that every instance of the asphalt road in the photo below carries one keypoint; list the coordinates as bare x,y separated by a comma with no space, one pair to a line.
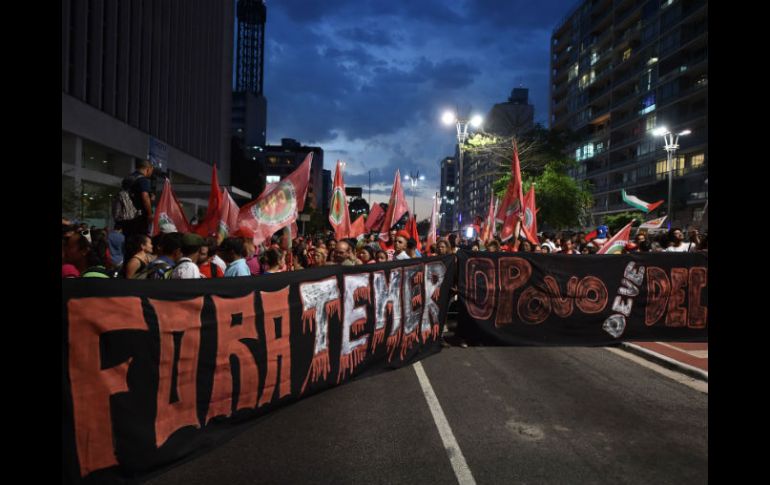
519,415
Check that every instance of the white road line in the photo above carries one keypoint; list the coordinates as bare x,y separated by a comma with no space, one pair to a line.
459,465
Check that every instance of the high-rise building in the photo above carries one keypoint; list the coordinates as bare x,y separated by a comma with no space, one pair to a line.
514,117
619,69
249,107
278,161
449,188
480,170
144,80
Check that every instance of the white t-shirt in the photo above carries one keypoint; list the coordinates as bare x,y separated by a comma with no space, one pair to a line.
219,262
402,255
683,248
185,269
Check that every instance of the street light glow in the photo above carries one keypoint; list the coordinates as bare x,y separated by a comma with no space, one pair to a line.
685,132
476,121
660,131
448,118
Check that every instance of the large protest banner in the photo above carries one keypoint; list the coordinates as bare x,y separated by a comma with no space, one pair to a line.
158,371
553,299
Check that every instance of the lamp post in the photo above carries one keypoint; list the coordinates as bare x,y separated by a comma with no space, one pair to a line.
413,178
449,118
671,141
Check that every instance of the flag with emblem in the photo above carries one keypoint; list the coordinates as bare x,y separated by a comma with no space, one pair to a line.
618,241
169,216
339,217
228,217
509,211
397,207
279,205
375,218
529,217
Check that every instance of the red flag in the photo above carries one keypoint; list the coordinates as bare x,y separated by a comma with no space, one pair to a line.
489,223
209,226
358,227
169,216
376,216
529,217
397,207
411,228
511,208
433,224
339,217
279,205
228,217
591,236
618,241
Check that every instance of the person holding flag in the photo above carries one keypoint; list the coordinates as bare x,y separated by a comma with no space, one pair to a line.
509,212
339,217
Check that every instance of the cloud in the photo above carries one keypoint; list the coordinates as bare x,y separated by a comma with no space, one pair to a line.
368,80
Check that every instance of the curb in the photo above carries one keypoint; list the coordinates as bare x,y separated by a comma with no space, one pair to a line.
666,361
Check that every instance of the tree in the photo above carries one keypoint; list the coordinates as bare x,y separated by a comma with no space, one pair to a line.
616,222
563,201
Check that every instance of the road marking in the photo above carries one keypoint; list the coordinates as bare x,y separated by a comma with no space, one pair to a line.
459,465
688,381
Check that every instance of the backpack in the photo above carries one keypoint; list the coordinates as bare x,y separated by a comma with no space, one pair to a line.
123,208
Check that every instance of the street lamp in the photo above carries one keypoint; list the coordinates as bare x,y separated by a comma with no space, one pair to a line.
671,146
413,178
449,118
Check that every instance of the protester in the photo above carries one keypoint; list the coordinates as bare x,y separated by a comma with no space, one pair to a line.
206,264
342,254
139,255
365,255
139,187
400,245
116,241
234,254
169,252
568,247
381,256
187,266
320,257
442,247
525,246
411,248
493,246
676,242
272,260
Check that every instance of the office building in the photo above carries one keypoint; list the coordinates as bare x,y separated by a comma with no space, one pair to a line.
141,80
449,187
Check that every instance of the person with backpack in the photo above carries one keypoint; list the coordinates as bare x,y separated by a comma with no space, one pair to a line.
133,205
169,252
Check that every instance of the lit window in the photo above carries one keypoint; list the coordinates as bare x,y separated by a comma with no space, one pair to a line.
627,54
697,160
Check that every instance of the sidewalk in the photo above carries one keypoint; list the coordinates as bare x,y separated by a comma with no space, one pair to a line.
689,358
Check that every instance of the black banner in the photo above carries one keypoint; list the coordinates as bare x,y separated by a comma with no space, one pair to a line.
553,299
158,371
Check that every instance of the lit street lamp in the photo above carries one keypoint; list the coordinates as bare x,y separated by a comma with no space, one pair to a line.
413,178
671,146
448,118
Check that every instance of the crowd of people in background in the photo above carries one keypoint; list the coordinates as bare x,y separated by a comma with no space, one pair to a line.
102,253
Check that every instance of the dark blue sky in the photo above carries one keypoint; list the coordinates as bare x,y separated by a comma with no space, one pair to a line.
368,80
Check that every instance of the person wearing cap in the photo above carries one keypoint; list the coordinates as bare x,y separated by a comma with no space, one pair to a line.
187,266
402,239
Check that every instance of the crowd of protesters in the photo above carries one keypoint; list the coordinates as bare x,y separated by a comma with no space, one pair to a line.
101,253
